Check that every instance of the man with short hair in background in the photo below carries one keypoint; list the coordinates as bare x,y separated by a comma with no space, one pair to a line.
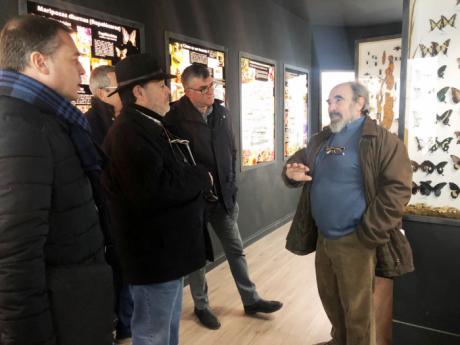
55,285
101,115
103,109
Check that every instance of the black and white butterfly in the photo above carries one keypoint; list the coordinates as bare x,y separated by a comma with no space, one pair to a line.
425,188
454,190
434,49
441,94
444,117
443,22
428,167
444,144
129,46
441,71
421,143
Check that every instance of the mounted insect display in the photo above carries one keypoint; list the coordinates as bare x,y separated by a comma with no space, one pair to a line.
378,66
431,98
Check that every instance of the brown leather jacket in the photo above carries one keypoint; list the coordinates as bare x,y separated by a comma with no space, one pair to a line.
387,176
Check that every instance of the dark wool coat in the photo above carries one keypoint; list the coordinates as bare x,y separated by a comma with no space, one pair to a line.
156,200
212,143
55,286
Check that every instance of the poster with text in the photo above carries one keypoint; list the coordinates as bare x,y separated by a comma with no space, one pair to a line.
183,54
99,42
257,112
295,111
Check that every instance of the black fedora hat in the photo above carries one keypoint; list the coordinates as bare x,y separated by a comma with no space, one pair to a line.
136,69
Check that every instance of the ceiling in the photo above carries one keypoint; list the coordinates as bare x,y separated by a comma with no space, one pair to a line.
345,12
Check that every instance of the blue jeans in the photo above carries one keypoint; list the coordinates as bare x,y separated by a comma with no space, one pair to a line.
124,312
226,228
157,309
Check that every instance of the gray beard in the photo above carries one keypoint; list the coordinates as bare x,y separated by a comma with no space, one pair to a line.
337,126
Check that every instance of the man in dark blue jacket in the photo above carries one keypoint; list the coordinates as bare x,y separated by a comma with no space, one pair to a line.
202,120
55,286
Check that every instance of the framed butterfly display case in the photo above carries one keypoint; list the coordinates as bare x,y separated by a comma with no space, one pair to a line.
378,67
432,106
100,38
183,51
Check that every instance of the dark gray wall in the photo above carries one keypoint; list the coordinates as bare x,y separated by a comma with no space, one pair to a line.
258,27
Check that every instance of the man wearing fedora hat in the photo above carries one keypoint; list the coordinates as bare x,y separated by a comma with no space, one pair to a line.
155,192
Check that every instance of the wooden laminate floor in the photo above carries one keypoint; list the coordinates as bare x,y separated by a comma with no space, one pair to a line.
278,274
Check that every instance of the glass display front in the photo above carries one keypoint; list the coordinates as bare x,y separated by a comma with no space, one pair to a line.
379,68
183,54
295,111
432,107
99,42
257,111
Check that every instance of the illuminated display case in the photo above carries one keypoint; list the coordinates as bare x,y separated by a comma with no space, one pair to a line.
257,90
432,106
378,67
296,105
100,38
183,51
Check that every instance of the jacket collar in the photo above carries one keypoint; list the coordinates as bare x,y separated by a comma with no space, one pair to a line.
192,113
106,111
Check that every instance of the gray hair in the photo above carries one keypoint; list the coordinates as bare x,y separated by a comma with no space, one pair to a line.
23,35
99,78
359,90
195,70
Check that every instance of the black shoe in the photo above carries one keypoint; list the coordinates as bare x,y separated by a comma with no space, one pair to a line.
207,318
262,306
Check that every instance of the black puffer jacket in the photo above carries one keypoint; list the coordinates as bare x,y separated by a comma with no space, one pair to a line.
55,287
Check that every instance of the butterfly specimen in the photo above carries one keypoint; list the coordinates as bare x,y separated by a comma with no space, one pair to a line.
129,46
455,161
444,117
425,188
441,71
455,94
444,144
442,94
457,134
421,143
434,49
428,167
443,22
454,190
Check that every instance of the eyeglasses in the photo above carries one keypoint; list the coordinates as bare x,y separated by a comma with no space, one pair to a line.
109,88
335,150
204,90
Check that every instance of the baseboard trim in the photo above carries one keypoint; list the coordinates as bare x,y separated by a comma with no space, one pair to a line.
426,328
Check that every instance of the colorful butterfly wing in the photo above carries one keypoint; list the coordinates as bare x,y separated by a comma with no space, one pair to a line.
455,161
455,95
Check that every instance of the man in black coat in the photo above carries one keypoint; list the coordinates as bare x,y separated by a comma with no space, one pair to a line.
55,286
101,116
200,118
156,199
104,109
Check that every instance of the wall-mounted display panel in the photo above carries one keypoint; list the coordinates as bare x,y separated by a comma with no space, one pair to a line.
378,67
184,51
100,40
257,88
296,106
432,107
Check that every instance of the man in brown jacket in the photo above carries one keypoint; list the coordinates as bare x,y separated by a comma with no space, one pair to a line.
356,179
